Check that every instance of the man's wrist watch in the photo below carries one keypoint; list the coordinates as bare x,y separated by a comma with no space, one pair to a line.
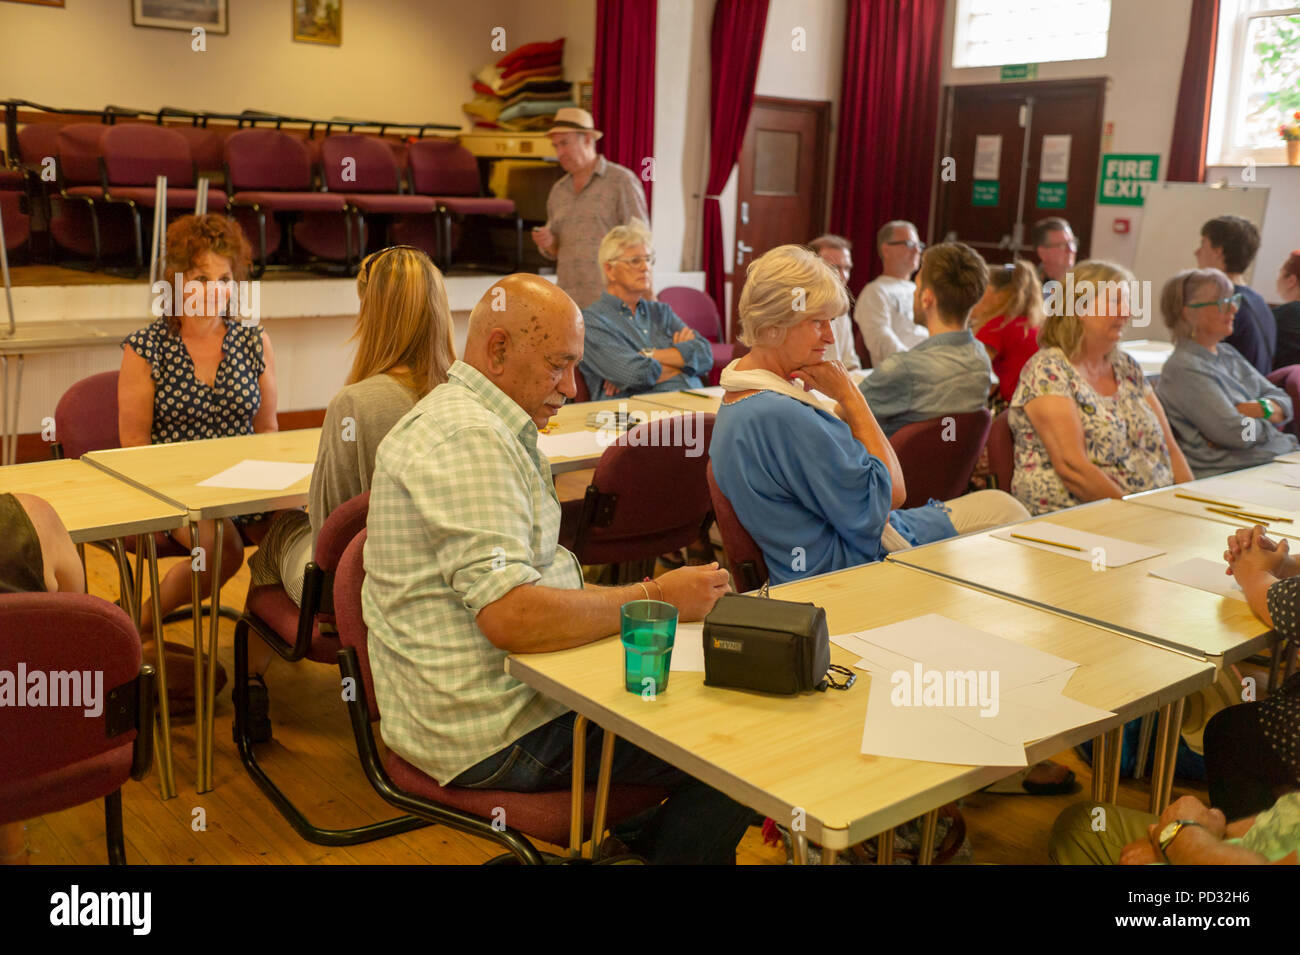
1170,832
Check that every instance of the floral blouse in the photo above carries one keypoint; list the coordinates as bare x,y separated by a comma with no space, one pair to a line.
1121,433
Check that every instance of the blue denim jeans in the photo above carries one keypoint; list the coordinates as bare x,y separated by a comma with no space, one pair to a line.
696,825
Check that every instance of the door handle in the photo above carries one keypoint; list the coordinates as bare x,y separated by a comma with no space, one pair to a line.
744,213
741,249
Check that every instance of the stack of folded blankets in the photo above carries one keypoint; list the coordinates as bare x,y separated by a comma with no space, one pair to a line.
523,90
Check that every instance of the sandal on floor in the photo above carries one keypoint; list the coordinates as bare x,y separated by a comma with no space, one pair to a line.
1019,784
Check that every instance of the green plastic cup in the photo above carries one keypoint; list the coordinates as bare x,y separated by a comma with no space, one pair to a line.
649,628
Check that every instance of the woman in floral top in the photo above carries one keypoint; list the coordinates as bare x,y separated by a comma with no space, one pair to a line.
1086,424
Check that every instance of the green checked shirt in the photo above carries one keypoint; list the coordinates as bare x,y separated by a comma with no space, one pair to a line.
462,511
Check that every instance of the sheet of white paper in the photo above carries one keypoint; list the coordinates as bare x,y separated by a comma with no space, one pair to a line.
1110,550
260,475
1055,166
688,649
713,391
988,157
925,733
575,444
1202,574
1030,713
1245,492
1291,457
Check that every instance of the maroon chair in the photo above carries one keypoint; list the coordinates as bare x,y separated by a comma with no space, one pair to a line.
17,223
135,154
1002,453
649,495
700,312
543,815
298,632
1288,379
939,456
54,757
269,175
580,383
79,222
744,558
205,148
446,170
364,171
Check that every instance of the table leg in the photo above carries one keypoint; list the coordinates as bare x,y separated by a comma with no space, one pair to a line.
163,740
885,848
139,571
196,600
1175,733
1162,764
210,691
1145,729
124,587
929,822
579,785
799,847
1114,752
602,792
1099,749
9,405
829,855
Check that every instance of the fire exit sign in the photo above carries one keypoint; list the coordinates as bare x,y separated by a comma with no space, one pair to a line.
1126,177
1019,71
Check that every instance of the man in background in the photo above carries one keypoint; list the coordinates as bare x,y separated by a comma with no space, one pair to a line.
1055,245
884,309
837,252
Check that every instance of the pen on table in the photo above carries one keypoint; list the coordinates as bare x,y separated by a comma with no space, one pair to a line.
1039,540
1205,500
696,394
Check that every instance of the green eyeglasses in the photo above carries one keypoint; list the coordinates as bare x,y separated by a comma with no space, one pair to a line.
1232,300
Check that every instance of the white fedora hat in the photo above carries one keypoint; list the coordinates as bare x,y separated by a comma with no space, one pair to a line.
572,119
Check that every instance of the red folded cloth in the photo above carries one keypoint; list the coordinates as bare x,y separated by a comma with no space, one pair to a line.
531,49
483,89
532,63
513,85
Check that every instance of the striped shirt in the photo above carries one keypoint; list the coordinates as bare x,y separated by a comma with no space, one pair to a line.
616,336
579,220
462,511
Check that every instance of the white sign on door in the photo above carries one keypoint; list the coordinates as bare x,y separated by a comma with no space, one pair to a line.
1055,165
988,157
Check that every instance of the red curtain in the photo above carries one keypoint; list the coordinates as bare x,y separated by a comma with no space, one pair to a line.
889,114
737,42
623,87
1192,117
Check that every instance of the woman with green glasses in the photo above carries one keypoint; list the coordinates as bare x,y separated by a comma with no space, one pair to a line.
1225,415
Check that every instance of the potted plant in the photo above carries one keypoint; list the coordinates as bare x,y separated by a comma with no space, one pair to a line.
1291,133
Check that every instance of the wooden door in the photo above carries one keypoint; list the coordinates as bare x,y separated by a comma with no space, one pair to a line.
781,188
1056,122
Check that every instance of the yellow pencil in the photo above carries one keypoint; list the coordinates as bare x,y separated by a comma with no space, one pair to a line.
1259,518
1039,540
1204,500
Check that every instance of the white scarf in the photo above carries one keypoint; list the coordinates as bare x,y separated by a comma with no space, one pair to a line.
760,379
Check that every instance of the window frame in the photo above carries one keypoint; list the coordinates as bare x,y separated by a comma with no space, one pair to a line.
1230,92
960,43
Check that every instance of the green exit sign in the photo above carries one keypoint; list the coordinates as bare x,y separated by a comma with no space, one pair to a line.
986,192
1019,71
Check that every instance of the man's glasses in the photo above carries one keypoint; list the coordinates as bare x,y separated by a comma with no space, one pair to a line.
638,260
1233,301
914,246
1072,245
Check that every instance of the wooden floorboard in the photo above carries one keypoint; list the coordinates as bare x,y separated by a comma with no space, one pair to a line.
313,759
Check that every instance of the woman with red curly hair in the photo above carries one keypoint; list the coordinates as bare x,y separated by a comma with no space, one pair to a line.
198,371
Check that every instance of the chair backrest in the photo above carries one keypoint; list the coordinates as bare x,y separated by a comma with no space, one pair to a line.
584,393
135,154
38,140
205,147
366,158
443,167
343,523
79,148
748,568
85,419
649,494
267,159
1002,452
938,456
353,632
1288,379
84,649
695,309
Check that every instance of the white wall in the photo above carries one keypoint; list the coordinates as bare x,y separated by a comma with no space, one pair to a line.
1280,233
403,60
1143,63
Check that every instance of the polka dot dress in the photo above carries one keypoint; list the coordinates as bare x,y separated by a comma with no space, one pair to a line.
186,409
1279,715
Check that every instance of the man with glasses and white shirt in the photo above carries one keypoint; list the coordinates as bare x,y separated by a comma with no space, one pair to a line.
837,252
1056,246
884,309
633,344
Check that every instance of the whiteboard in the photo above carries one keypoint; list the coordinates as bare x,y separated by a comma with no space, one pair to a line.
1172,216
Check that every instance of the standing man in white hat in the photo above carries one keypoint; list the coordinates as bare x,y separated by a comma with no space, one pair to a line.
593,197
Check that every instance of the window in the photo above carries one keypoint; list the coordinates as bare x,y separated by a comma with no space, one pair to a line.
1000,32
1256,80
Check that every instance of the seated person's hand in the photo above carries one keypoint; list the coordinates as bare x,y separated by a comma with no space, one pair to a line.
1258,554
1139,852
544,238
610,389
1241,541
1189,807
683,335
693,590
828,377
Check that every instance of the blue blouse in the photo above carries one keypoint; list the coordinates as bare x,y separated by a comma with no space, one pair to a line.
186,409
812,497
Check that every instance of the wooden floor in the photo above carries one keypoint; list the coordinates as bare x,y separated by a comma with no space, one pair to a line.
313,758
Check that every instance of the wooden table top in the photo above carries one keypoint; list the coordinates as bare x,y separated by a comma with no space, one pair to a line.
1168,499
30,337
573,417
683,401
173,471
92,504
1124,599
776,753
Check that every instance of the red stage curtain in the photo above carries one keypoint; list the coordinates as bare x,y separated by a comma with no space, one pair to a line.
737,42
889,114
623,87
1192,118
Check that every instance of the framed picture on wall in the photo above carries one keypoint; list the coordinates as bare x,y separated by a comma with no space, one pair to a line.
185,15
318,21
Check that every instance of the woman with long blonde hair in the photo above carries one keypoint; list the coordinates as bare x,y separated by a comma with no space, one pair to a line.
404,348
